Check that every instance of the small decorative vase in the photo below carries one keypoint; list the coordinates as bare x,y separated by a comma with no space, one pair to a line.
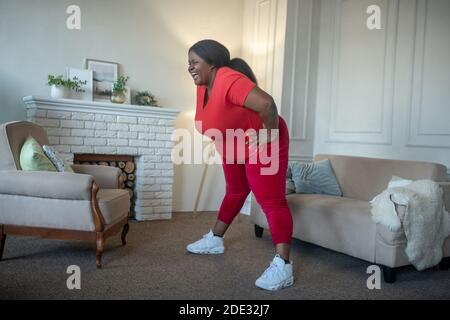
58,92
118,97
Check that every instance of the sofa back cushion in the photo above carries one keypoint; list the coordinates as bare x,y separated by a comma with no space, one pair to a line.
363,178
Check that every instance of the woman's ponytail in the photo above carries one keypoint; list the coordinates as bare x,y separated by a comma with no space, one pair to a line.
241,66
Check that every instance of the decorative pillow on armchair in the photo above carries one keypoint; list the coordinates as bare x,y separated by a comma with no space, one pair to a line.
32,157
317,177
57,160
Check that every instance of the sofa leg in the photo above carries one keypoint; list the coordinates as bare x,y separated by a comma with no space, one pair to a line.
100,244
2,241
124,234
445,263
258,231
389,274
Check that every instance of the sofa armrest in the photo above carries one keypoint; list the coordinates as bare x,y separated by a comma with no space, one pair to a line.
446,188
46,184
105,177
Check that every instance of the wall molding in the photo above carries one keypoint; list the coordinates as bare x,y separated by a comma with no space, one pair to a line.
382,136
300,24
416,136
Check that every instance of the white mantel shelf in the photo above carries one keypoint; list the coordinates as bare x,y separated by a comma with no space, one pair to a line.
99,107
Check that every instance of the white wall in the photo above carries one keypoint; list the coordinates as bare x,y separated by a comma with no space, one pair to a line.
384,93
149,38
376,93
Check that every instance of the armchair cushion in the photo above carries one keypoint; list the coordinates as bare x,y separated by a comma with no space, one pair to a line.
104,176
33,158
113,204
44,184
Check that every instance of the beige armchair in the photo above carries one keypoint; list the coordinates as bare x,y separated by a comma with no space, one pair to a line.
85,205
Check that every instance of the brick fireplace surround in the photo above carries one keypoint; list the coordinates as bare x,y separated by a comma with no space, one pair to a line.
77,126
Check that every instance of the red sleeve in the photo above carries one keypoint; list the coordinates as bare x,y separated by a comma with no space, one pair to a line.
239,90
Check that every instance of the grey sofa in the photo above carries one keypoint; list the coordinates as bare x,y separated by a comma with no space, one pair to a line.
85,205
344,224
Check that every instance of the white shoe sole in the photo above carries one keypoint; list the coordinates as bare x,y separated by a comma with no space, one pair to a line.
284,284
218,250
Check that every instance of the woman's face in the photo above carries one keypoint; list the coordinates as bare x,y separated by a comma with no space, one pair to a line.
199,69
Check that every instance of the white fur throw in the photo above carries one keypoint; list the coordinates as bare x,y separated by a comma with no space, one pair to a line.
426,223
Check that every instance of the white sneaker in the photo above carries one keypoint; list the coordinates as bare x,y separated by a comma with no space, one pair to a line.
277,276
209,244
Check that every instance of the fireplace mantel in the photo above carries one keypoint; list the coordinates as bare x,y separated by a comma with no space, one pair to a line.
99,107
144,132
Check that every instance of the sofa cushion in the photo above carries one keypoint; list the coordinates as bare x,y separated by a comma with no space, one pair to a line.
341,224
317,177
33,158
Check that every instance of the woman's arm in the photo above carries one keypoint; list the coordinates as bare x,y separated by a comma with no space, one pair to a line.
262,103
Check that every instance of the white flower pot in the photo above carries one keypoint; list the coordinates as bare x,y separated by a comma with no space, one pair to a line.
59,92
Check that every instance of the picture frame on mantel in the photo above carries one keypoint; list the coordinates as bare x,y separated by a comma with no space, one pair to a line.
105,73
85,92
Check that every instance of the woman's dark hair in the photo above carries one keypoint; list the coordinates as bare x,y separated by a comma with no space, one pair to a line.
241,66
217,54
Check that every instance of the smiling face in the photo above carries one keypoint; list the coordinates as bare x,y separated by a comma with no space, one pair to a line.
199,69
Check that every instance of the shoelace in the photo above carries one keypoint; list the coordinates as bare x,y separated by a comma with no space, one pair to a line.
271,269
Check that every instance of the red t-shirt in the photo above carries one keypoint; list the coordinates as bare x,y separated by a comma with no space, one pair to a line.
225,107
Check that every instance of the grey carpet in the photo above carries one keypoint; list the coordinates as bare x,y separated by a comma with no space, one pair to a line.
155,265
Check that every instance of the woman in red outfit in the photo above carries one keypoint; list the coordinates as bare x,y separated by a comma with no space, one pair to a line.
229,102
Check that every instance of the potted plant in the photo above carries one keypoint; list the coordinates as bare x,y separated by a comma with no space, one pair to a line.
61,87
145,98
118,90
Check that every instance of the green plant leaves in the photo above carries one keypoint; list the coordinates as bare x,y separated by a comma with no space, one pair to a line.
60,81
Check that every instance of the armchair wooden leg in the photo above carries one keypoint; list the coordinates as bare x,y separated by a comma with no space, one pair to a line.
258,231
445,263
389,274
2,241
124,234
100,244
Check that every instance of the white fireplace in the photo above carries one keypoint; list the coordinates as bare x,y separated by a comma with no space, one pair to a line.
77,126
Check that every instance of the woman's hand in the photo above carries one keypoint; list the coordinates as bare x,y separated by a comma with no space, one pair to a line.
264,136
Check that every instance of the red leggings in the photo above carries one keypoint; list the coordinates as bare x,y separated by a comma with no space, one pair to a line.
269,190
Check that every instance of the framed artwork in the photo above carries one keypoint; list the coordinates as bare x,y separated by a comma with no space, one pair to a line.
105,73
85,92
